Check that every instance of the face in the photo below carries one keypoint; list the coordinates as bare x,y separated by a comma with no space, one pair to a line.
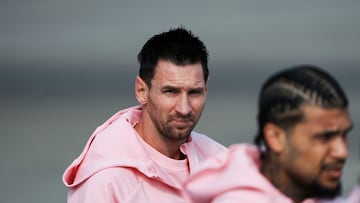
317,149
175,101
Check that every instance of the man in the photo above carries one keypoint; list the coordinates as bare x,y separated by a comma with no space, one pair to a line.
144,153
301,148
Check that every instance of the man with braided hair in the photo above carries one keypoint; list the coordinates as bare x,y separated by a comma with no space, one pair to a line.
303,122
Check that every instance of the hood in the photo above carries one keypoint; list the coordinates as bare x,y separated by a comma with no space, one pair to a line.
105,148
236,168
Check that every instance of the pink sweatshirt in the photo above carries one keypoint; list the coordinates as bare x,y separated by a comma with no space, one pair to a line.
117,166
234,176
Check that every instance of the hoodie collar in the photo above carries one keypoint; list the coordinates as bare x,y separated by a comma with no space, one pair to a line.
116,144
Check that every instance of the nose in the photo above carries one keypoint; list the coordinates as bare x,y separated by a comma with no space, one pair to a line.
183,105
339,148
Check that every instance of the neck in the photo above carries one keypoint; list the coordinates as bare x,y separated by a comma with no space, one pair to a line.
167,147
271,169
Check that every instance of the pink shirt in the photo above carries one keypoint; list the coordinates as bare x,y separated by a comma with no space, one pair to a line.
116,165
233,176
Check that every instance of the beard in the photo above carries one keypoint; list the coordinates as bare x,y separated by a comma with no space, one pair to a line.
318,191
172,133
176,134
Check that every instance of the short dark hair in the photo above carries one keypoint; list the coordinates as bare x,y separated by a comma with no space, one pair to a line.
283,94
178,45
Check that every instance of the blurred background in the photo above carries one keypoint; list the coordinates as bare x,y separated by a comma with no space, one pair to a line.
66,66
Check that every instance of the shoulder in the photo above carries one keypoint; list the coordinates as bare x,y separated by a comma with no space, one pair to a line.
237,155
111,176
222,169
201,141
354,195
108,185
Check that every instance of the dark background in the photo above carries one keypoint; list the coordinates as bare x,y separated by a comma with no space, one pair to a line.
66,66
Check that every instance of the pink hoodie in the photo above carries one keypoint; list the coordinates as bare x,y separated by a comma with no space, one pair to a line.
234,176
115,167
354,196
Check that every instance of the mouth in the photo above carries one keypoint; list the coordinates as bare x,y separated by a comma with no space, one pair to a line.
182,123
334,171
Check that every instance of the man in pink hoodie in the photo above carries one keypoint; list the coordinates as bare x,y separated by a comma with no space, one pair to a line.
144,153
301,148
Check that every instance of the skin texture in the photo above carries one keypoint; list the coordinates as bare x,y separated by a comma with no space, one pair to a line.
314,151
172,106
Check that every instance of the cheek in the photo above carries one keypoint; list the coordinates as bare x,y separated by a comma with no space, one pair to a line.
300,149
307,158
158,102
198,104
298,153
154,106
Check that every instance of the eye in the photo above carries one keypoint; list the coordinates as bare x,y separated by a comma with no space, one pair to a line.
196,92
324,137
332,135
170,91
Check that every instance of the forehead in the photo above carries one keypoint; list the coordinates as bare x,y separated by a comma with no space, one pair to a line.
316,117
167,73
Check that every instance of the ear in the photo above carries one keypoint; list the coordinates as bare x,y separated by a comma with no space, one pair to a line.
206,85
141,90
275,137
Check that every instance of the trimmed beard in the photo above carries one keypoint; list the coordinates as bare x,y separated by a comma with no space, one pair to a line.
316,190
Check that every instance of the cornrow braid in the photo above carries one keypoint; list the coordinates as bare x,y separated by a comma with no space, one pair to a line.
283,94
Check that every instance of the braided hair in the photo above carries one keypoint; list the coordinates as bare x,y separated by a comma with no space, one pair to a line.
283,94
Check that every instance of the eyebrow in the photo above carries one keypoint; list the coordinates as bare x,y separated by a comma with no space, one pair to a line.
177,88
335,132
